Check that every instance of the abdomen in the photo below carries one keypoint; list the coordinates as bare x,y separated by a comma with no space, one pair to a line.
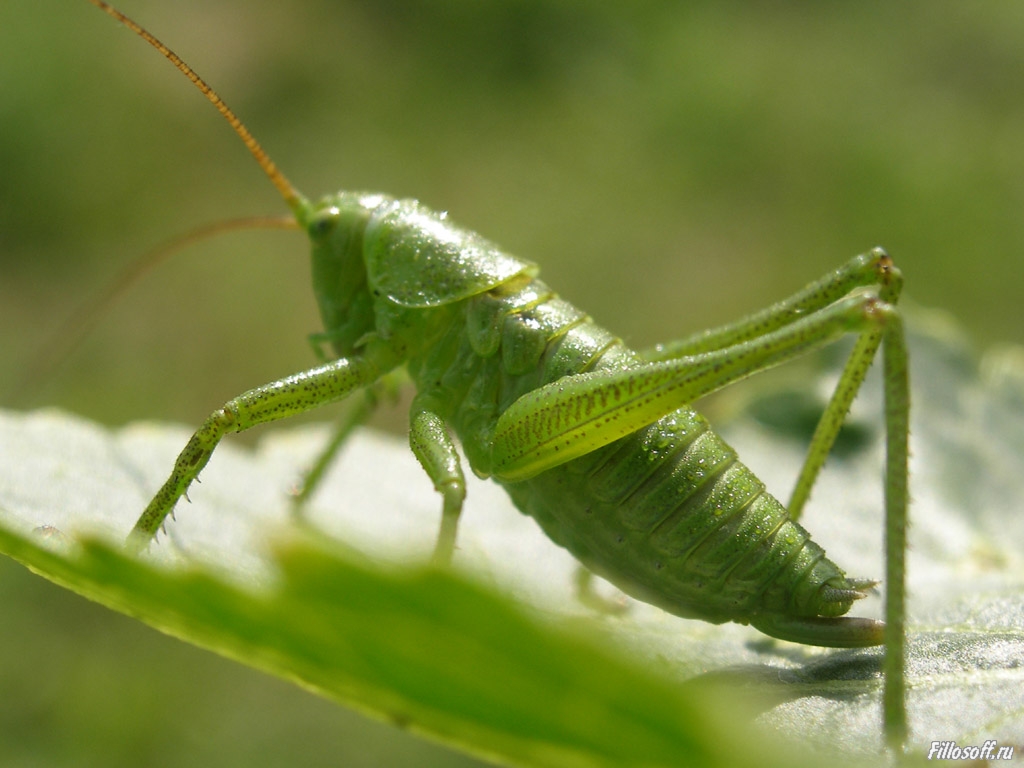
670,516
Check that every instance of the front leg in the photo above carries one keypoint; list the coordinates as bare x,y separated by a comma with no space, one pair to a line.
279,399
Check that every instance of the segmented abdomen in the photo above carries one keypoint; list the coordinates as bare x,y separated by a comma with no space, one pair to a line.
668,514
672,517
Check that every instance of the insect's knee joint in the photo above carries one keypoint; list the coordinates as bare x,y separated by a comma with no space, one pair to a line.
889,275
454,493
225,419
877,310
881,257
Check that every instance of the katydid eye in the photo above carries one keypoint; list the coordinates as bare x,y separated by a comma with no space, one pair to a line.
323,223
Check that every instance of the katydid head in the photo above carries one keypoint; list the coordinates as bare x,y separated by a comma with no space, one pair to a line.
376,258
336,227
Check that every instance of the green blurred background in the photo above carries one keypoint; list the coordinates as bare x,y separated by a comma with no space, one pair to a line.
669,165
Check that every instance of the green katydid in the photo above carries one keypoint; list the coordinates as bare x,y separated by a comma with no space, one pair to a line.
595,441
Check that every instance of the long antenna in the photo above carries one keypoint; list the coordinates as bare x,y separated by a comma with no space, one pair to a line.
291,196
